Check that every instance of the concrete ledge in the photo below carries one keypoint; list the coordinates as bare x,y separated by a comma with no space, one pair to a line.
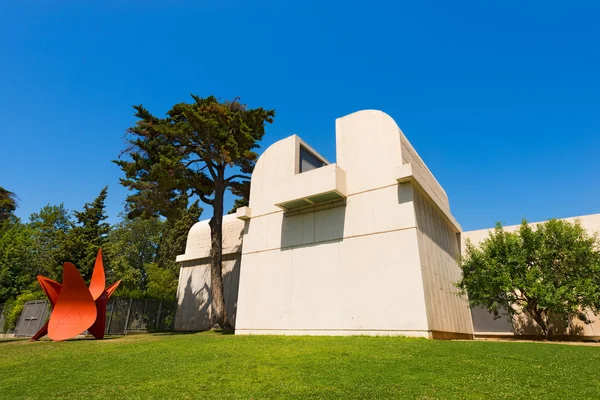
407,174
317,186
243,213
198,255
332,332
438,335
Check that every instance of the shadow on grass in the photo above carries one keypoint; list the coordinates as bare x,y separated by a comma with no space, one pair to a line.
177,333
113,337
13,339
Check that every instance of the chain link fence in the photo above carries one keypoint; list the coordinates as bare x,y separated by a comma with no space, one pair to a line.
123,316
139,315
2,320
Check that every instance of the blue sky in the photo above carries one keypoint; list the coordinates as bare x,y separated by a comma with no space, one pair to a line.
500,99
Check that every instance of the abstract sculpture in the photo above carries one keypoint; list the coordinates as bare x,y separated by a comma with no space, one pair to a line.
75,307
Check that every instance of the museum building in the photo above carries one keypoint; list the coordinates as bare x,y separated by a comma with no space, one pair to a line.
363,246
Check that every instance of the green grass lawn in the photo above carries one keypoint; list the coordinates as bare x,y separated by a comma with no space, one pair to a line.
215,366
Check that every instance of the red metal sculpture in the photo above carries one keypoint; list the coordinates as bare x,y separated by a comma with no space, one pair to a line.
75,307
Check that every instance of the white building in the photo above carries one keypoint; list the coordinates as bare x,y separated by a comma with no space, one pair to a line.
366,245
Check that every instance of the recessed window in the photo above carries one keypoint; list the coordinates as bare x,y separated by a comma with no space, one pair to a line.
308,161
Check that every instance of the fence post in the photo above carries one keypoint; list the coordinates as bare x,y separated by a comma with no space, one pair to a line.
145,315
112,307
127,318
158,316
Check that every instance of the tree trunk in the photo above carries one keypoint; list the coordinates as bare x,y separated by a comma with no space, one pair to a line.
219,311
541,318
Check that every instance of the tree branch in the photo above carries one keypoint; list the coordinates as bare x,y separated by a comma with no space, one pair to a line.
187,164
203,197
211,170
206,199
237,176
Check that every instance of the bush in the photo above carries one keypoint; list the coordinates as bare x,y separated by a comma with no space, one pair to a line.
162,283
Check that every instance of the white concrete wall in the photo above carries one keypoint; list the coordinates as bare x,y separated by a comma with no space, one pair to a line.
194,311
410,156
439,248
487,326
194,300
351,269
378,260
278,163
338,287
381,261
590,222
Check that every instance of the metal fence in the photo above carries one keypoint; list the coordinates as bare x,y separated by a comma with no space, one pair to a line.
2,319
123,316
139,315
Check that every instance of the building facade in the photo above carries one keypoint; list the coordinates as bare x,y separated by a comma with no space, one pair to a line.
366,245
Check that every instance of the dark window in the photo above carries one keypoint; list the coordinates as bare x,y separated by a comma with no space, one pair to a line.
309,161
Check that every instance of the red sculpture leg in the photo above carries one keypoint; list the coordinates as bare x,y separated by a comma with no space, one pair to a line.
75,310
52,290
99,326
42,332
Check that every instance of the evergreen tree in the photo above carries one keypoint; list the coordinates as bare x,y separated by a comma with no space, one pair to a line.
200,149
174,238
8,204
88,235
50,228
242,191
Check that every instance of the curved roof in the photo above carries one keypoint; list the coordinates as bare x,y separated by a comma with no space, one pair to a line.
198,240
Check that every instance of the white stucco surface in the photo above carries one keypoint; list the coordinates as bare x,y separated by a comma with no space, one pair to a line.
354,266
194,312
366,245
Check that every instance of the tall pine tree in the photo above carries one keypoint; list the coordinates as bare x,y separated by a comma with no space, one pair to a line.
88,235
200,149
8,204
50,228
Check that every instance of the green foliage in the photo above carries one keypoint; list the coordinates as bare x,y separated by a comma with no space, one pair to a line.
8,204
131,245
87,236
142,254
174,237
17,259
552,273
7,308
14,308
199,149
187,153
226,367
50,229
162,282
242,191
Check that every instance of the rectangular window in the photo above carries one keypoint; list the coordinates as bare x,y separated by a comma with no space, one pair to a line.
308,161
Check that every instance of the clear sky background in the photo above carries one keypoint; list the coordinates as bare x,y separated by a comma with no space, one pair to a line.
500,99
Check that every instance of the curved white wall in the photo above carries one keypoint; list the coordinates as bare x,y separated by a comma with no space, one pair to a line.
353,268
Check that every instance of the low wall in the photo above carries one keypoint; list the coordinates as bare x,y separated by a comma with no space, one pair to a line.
194,299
